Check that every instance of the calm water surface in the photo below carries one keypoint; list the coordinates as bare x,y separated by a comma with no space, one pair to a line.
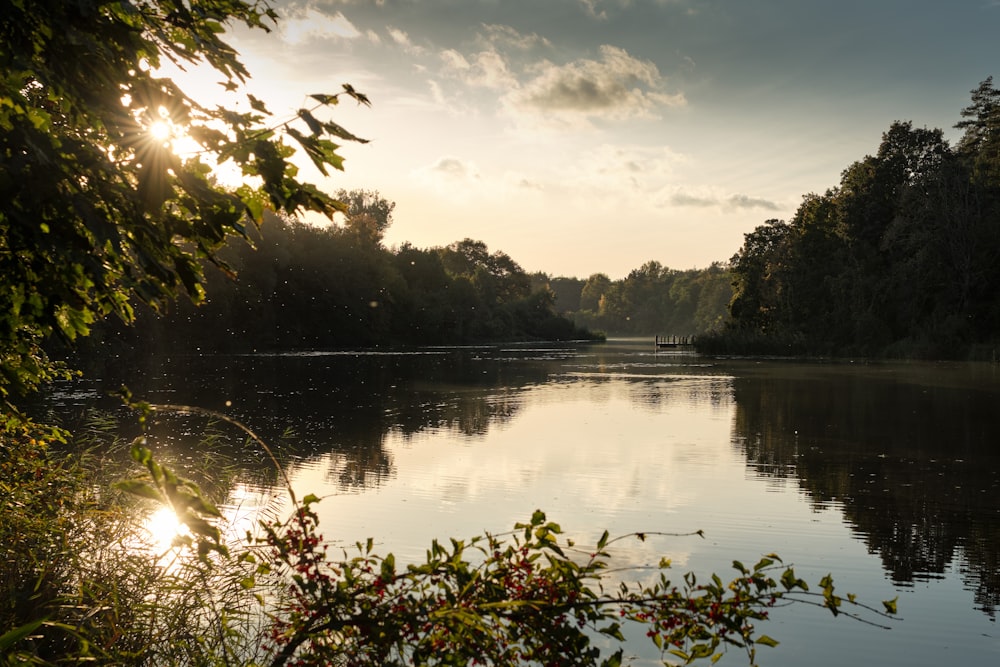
887,475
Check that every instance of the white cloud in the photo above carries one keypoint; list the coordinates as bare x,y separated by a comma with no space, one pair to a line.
536,90
682,198
486,69
309,24
402,38
608,177
746,201
710,198
593,8
625,169
525,183
616,87
504,36
436,95
448,171
590,7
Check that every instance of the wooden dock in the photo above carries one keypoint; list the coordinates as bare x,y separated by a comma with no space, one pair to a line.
667,342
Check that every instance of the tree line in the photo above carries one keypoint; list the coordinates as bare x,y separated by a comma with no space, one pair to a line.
652,299
301,285
304,286
902,258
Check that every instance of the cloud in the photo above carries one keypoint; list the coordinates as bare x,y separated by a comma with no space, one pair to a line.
620,168
744,201
616,87
504,36
534,89
402,38
522,182
686,199
617,176
681,197
449,170
590,7
309,24
486,69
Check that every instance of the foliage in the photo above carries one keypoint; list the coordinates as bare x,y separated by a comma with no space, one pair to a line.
306,286
368,214
79,577
900,259
654,299
525,598
96,209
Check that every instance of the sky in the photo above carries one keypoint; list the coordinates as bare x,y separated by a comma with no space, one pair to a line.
593,136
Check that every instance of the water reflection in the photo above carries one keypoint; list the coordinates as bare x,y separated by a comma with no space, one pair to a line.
908,452
905,452
162,528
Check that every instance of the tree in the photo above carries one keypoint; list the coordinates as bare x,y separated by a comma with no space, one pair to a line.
96,209
593,291
369,214
755,269
496,276
714,294
981,141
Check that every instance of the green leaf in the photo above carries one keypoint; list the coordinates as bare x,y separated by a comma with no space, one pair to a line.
699,651
614,660
762,563
680,654
315,126
767,641
325,99
256,104
890,605
360,98
388,568
603,542
338,131
614,630
138,487
8,639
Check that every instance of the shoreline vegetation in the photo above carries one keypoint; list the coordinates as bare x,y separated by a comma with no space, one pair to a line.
901,259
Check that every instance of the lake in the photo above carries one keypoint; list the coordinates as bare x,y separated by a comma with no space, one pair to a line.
885,474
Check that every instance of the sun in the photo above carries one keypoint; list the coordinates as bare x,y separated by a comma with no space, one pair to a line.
161,529
162,133
161,130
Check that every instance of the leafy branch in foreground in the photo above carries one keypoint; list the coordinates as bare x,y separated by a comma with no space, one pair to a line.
98,209
527,597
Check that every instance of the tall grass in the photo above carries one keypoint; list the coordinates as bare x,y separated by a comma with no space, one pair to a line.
81,578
